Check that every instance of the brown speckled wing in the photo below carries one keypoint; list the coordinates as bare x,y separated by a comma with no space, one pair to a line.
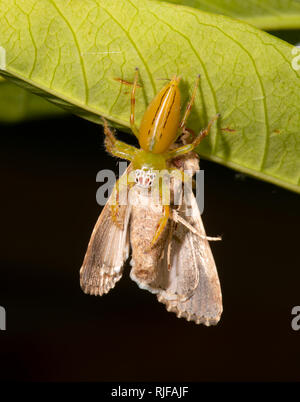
107,251
191,287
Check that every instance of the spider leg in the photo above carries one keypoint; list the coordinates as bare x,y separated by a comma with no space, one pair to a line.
132,112
190,104
190,147
116,147
121,188
164,190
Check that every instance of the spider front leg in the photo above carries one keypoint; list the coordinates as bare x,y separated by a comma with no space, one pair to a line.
132,112
115,147
121,188
124,151
164,193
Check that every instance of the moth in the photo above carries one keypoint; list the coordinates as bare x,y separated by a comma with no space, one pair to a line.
171,256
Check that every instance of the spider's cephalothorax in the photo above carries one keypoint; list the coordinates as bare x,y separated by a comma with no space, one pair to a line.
159,129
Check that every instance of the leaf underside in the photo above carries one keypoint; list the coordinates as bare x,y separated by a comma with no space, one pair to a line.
17,104
72,53
266,14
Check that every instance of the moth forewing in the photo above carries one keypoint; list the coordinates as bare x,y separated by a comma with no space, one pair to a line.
193,290
108,247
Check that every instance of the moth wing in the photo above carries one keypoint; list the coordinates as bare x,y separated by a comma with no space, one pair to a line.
108,249
191,288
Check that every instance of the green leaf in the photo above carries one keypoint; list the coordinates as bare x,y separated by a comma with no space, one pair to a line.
17,104
266,14
73,51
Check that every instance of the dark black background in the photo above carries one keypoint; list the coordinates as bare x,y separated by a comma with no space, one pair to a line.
56,332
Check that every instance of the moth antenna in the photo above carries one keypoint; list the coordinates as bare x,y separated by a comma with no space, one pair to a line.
177,218
170,245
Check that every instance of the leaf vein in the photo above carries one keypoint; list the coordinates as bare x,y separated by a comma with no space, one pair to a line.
34,46
135,47
56,67
266,144
78,49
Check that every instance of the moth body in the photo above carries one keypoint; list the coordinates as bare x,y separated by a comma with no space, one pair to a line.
145,217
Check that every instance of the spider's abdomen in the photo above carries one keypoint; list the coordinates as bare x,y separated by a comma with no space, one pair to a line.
159,126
